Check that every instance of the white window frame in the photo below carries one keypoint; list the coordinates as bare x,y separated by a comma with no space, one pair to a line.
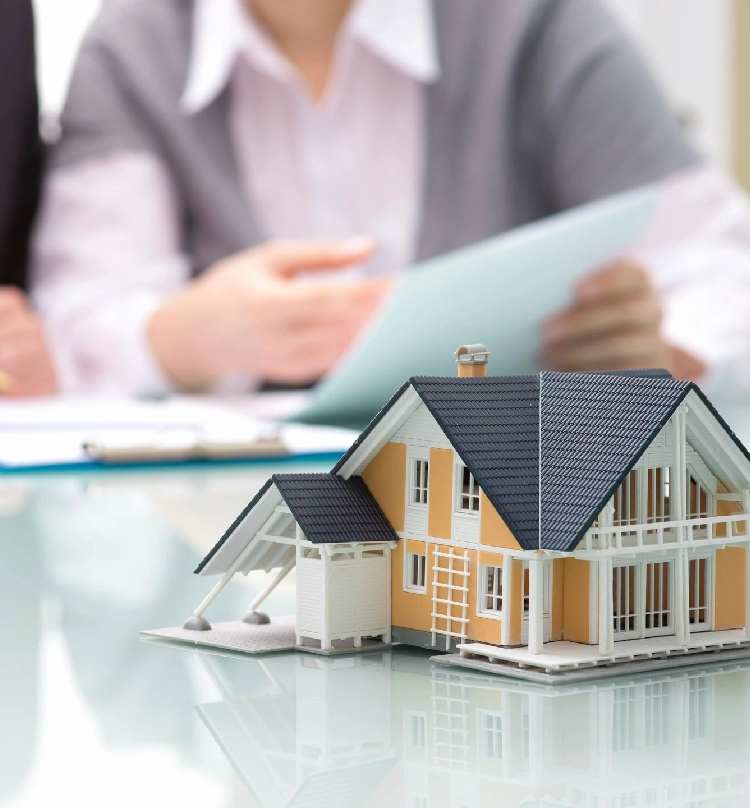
415,729
626,500
707,624
639,630
482,593
409,586
658,497
474,492
491,734
416,464
661,630
620,581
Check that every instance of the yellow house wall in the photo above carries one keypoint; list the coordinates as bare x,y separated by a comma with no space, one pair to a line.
385,476
482,629
440,498
414,610
493,532
730,585
729,606
575,600
410,609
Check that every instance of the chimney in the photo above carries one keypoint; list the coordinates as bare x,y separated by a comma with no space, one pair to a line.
471,360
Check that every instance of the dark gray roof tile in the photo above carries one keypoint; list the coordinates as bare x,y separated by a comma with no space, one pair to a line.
330,509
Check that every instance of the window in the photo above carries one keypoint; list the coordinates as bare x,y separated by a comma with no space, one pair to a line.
656,713
699,500
417,730
419,484
698,707
698,598
623,600
626,501
468,491
624,718
658,614
642,599
492,732
657,494
491,594
414,573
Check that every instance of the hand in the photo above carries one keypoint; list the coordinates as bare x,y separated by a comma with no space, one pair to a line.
613,323
252,313
26,368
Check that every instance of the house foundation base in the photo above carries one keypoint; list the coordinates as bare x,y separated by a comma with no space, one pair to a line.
261,638
278,635
565,662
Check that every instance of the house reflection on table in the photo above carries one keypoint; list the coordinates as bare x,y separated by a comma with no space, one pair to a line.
375,730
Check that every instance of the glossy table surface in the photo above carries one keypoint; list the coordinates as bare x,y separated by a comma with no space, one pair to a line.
94,715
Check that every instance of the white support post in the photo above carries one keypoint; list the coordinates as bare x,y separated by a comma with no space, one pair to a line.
358,565
677,480
325,628
746,509
678,509
283,572
388,620
606,635
681,596
213,594
536,604
298,556
219,586
507,589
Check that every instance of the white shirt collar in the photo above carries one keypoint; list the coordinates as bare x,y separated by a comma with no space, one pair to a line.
399,31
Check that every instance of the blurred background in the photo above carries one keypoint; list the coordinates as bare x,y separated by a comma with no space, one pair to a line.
698,49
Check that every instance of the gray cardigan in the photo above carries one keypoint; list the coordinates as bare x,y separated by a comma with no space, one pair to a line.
541,105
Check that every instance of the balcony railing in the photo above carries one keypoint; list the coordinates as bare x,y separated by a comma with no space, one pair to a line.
731,528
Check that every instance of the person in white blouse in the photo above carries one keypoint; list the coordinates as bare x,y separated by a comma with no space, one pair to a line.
217,155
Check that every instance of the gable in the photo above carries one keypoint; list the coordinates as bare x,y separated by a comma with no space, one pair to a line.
594,429
328,509
715,443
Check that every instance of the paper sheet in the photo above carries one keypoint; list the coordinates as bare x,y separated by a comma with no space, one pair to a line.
48,433
496,292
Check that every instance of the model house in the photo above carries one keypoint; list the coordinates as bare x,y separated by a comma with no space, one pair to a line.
542,523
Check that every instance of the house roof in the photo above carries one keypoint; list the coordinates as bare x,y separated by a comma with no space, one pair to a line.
329,508
549,449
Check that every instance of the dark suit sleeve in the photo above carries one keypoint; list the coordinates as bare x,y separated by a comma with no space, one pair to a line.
20,144
594,120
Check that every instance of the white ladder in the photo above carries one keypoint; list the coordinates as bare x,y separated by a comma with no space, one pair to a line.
450,716
450,595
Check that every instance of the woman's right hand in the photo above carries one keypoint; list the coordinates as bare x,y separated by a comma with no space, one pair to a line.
253,314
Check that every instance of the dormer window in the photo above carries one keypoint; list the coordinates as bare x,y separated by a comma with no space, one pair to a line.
468,491
419,482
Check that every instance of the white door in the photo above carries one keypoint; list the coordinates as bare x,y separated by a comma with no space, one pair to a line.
643,599
547,592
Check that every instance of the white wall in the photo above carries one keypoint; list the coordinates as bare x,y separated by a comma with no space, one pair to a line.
688,44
